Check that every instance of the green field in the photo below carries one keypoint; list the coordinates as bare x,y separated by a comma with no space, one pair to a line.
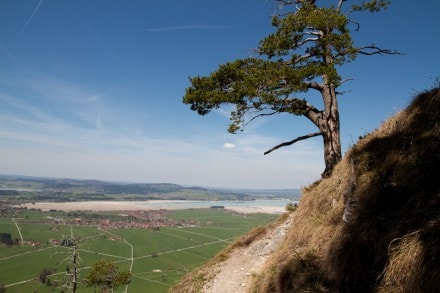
157,259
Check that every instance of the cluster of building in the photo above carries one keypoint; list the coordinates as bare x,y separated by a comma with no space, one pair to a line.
150,219
140,219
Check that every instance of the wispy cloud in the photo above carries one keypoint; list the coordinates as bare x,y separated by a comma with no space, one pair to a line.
59,90
187,27
68,102
26,109
29,19
8,53
52,113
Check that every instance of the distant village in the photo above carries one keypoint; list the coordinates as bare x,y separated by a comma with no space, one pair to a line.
145,219
150,219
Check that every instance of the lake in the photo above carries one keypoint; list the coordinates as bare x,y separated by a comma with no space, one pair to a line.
255,206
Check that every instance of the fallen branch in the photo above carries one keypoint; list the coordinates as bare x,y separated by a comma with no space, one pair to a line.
287,143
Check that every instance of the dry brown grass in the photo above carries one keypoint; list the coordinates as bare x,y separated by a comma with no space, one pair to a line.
392,174
297,266
249,237
413,262
397,190
403,263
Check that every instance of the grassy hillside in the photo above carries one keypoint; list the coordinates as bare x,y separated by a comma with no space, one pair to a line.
374,225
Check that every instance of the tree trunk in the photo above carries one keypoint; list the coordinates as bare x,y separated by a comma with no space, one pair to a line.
75,269
332,148
329,127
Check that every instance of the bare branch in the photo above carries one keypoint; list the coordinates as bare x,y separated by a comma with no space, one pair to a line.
300,44
292,141
340,5
370,50
373,50
314,32
358,26
261,115
345,80
306,56
284,2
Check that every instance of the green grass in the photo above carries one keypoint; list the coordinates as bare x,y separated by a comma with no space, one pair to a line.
172,250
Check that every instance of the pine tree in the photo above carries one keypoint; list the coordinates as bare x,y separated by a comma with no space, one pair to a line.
304,53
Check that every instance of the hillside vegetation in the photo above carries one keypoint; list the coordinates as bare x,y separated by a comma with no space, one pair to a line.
62,190
374,225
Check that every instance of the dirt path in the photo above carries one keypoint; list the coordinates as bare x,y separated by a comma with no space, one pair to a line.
235,273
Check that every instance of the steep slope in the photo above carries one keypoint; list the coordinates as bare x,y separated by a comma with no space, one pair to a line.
234,268
373,226
387,189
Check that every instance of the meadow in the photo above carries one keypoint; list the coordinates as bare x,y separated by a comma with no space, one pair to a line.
158,258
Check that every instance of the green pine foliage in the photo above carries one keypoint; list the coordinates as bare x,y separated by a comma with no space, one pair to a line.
306,46
304,53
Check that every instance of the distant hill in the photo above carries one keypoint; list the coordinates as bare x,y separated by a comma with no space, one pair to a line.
40,188
373,226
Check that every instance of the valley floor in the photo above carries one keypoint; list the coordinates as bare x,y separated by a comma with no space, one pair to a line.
140,205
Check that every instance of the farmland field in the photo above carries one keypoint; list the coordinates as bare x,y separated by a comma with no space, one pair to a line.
156,257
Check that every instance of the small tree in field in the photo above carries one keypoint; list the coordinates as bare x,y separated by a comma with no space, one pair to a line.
106,276
302,55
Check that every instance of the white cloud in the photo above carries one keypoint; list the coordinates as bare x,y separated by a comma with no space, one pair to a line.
29,20
228,145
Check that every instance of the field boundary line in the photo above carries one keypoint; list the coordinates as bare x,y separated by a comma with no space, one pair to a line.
106,254
206,235
186,248
19,231
27,252
149,280
19,283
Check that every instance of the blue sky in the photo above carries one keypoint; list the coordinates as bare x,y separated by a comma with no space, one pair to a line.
93,90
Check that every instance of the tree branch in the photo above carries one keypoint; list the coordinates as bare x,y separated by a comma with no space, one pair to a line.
313,114
315,85
303,42
284,2
358,26
373,50
340,5
299,58
292,141
314,32
260,115
345,80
